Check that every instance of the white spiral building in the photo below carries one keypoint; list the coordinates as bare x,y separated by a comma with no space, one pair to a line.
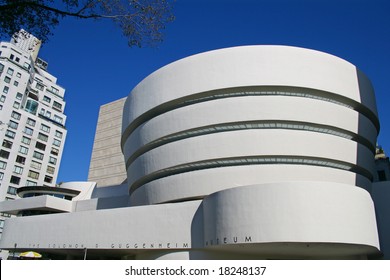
245,152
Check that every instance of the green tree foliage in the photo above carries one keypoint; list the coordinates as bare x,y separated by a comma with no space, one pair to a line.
141,21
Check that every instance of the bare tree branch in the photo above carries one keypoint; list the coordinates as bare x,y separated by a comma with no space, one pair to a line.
141,21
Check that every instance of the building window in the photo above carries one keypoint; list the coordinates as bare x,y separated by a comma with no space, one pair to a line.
48,179
16,83
36,165
18,169
20,159
2,98
1,175
43,137
26,140
30,183
3,165
54,90
16,105
45,128
28,131
48,114
50,169
13,125
10,134
38,155
57,106
4,154
18,75
54,151
31,106
7,144
33,174
30,122
12,190
46,99
7,79
39,86
52,160
10,71
56,142
58,134
15,115
40,146
19,96
23,150
5,89
58,119
14,180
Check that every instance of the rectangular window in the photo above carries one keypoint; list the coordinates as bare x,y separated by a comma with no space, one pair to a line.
5,89
52,160
58,119
58,134
12,190
16,105
45,128
48,179
37,155
14,180
26,140
30,183
30,122
4,154
10,71
23,150
18,75
50,170
40,146
36,165
57,106
10,134
18,169
56,142
19,96
39,86
15,115
28,131
16,83
20,159
2,175
7,79
3,164
33,174
13,124
43,137
7,144
46,99
2,98
54,151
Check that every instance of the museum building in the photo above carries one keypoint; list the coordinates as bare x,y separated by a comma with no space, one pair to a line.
252,152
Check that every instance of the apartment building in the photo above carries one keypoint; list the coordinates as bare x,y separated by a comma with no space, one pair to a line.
32,119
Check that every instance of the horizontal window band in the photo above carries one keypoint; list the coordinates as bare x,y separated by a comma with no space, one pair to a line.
263,124
251,160
250,91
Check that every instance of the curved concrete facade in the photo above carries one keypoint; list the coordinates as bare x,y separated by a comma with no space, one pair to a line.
248,115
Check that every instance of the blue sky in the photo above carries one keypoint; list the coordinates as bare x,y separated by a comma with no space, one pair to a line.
94,64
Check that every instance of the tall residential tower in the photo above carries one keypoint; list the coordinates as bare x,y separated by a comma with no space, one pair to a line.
32,120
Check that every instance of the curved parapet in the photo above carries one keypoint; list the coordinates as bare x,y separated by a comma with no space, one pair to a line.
248,115
292,220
